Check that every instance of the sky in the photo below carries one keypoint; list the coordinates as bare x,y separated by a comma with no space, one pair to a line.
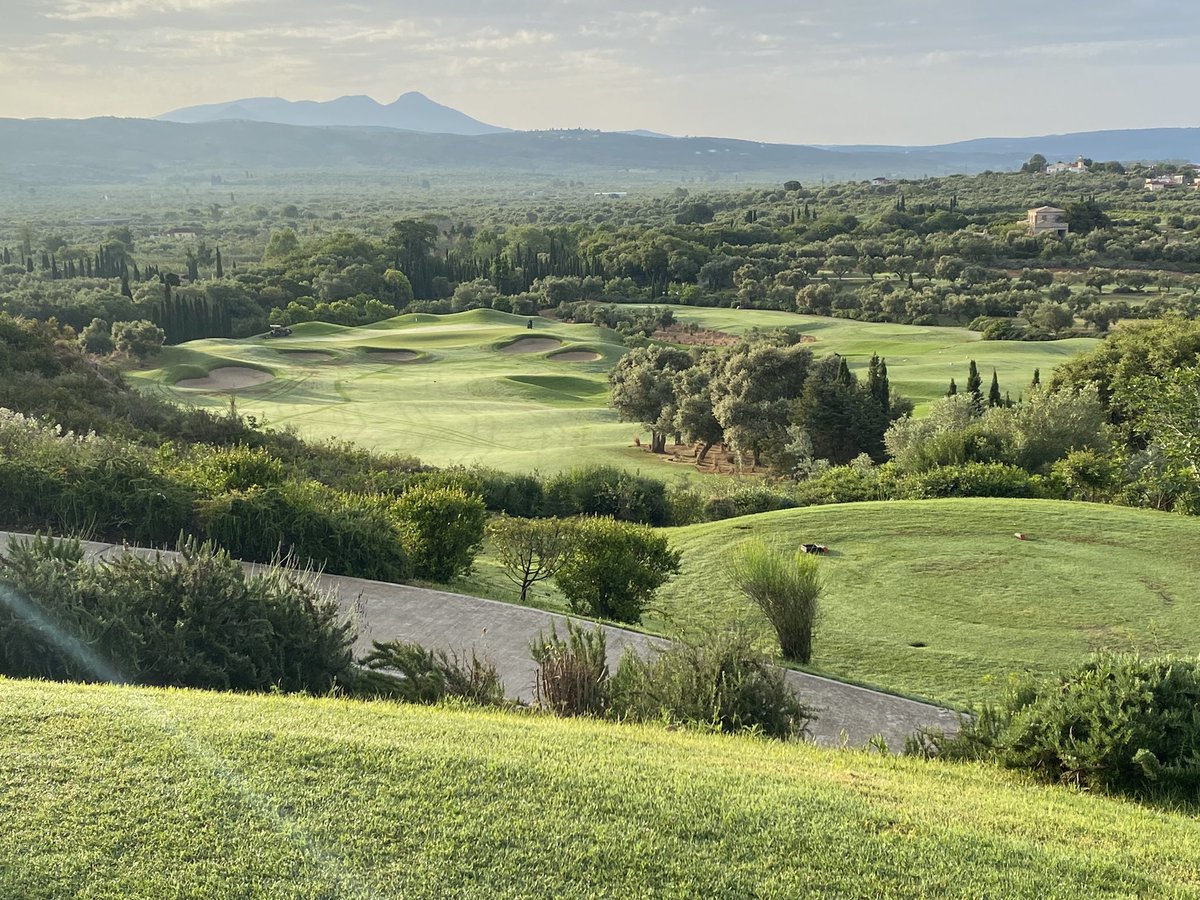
791,71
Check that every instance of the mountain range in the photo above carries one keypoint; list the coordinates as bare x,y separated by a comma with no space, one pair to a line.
416,136
409,112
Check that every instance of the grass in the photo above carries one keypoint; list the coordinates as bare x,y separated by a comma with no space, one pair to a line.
937,598
465,400
136,793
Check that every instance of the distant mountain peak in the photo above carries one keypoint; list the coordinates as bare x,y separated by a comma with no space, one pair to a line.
411,111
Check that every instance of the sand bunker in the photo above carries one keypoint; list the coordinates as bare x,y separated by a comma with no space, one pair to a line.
229,378
305,355
393,355
576,356
531,345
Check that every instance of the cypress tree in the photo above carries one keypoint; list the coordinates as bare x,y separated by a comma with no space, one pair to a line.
1037,377
995,398
975,384
220,265
953,389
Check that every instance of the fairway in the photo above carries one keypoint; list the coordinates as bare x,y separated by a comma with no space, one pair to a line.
121,792
937,597
475,387
481,387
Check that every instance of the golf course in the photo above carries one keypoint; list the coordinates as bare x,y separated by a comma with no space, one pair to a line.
483,387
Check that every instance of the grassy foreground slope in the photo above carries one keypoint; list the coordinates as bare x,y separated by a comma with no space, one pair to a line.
932,597
135,793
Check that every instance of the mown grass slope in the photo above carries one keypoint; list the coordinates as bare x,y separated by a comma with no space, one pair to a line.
937,597
465,399
135,793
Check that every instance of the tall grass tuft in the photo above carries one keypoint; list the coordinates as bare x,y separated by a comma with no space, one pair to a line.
786,588
572,676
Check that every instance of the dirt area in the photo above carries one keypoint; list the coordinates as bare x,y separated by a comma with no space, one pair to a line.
576,356
399,356
720,460
228,378
531,345
698,337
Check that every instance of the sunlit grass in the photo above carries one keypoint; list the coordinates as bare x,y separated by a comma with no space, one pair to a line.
133,793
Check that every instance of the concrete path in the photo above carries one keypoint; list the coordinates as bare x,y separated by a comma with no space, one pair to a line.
501,632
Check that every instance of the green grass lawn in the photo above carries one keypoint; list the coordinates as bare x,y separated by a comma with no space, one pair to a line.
134,793
462,399
938,598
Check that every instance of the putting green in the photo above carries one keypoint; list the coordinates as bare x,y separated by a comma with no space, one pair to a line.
482,387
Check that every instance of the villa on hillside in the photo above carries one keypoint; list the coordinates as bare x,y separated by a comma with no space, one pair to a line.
1048,220
1162,182
1060,168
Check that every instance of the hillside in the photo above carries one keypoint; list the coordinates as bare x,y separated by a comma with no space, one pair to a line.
938,598
135,793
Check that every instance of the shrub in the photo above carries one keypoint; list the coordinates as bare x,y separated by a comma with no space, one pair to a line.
443,530
725,685
785,588
194,620
607,491
410,672
1117,723
529,550
140,340
613,568
572,674
970,480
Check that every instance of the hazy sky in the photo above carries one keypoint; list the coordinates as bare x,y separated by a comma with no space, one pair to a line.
799,71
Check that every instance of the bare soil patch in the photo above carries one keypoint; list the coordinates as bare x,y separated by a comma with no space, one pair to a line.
576,356
531,345
227,378
696,337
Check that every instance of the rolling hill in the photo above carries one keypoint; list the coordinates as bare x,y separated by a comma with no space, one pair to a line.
137,793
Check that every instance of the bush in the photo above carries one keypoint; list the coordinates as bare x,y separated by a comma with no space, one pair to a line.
195,620
785,588
970,480
607,491
1117,723
613,568
572,675
529,550
443,530
723,686
409,672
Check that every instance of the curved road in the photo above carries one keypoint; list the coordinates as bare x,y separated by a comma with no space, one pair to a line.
501,632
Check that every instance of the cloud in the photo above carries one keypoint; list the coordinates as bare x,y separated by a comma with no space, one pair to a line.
824,70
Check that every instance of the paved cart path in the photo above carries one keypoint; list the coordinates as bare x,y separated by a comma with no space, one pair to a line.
501,632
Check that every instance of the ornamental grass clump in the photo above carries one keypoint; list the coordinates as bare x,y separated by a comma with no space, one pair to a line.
786,588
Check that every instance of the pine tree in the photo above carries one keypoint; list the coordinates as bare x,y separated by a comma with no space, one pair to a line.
975,385
953,389
995,398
